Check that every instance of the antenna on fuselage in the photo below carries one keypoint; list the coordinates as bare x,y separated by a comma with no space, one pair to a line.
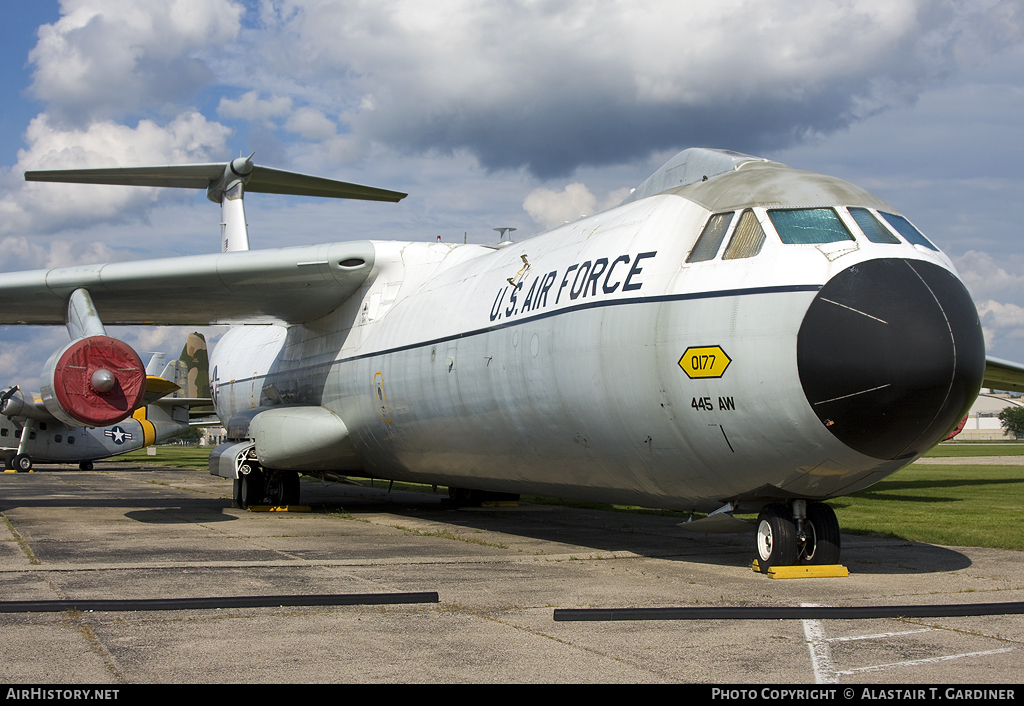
505,234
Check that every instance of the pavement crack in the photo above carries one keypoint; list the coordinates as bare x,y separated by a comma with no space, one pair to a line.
77,619
570,643
962,631
32,558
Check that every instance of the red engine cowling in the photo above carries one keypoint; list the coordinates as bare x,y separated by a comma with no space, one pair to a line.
93,381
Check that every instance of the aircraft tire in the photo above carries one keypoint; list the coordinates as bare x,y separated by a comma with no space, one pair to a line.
9,462
776,537
236,491
290,491
252,489
22,463
85,465
822,530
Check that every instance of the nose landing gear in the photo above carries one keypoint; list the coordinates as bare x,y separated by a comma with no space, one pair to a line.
798,533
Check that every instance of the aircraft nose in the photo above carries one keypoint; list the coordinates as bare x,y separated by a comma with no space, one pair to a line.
891,356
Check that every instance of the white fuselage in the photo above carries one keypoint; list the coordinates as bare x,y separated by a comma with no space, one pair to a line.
556,365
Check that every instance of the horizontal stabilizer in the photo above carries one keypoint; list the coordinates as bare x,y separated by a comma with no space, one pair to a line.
277,181
158,387
202,176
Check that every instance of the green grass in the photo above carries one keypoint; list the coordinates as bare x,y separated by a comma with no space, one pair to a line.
978,448
177,456
971,506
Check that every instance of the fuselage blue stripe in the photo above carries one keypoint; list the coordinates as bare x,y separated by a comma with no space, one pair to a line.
593,305
782,289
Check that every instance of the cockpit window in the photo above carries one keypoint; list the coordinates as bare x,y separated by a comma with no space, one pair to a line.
808,226
908,231
711,238
748,238
875,231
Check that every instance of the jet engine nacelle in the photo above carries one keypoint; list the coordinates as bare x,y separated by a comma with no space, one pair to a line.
93,381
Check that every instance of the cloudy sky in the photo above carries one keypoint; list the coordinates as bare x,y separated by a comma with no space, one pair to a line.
522,113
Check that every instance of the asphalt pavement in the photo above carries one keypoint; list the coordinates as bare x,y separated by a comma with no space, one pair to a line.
499,573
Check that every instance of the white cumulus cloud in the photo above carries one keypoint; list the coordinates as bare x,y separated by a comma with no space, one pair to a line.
553,86
550,208
311,124
1002,324
988,278
47,207
251,107
106,58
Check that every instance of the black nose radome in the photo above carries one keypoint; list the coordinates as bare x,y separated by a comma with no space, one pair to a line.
891,356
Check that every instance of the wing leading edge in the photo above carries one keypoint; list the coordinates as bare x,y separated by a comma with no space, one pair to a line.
1003,375
282,285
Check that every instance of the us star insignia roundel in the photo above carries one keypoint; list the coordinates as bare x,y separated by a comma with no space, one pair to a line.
118,434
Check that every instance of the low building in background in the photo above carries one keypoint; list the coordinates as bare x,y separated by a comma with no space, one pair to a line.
983,419
212,436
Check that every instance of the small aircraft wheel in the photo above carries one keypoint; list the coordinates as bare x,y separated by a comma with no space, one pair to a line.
776,537
252,489
9,462
236,491
22,463
822,530
85,466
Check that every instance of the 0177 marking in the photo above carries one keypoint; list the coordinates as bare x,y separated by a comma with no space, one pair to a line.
704,362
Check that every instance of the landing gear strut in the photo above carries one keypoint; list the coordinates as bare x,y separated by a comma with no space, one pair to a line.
802,532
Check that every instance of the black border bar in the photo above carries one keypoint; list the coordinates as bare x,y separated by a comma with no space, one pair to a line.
789,612
218,602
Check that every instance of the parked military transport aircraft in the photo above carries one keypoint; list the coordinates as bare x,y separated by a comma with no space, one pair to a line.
736,336
30,431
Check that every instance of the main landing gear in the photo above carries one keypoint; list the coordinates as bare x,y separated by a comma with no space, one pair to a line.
797,533
22,463
266,487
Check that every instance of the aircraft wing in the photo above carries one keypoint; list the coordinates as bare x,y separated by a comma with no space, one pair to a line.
1003,375
282,285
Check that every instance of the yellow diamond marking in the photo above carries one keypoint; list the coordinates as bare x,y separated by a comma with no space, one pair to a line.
704,362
